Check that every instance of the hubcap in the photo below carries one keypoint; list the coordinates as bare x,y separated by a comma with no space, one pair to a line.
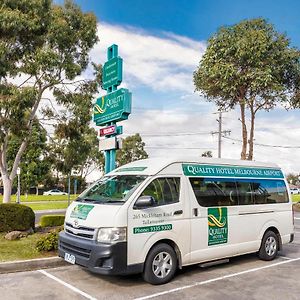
271,246
162,264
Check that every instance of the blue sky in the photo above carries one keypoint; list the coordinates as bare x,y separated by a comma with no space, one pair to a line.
196,19
161,43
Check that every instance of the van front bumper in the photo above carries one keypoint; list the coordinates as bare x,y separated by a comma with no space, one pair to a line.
108,259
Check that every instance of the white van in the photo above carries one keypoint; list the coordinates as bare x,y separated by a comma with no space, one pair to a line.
156,215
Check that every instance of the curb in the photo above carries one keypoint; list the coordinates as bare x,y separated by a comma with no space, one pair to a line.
31,264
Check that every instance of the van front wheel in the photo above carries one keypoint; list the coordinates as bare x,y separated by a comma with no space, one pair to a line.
269,246
160,265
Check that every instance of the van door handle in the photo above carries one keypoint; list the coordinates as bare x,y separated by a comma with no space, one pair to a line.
178,212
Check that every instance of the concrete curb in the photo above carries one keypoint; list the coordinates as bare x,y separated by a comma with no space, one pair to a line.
31,264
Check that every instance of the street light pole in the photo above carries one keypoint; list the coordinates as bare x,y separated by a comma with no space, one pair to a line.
19,185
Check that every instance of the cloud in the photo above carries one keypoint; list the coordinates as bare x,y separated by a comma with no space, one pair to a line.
165,63
159,62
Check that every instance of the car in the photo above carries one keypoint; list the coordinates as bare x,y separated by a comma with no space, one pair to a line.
54,192
294,191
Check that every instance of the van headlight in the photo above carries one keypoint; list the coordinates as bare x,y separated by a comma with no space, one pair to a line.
112,234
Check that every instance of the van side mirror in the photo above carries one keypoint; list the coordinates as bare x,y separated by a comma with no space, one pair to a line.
144,202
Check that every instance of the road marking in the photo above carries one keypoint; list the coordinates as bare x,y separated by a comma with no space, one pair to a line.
288,258
71,287
217,279
297,218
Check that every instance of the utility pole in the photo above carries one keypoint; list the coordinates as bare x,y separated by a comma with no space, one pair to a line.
220,132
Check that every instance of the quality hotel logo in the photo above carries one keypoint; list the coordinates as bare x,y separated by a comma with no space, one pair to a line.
100,109
217,225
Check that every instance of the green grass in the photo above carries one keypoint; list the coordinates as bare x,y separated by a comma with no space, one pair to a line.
48,205
35,198
21,249
296,198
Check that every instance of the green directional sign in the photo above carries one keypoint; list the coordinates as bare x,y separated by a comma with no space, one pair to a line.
113,107
112,73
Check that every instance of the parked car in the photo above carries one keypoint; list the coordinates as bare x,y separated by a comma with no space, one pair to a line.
54,192
294,191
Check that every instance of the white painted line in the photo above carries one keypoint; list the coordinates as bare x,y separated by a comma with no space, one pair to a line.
296,231
284,257
71,287
216,279
296,218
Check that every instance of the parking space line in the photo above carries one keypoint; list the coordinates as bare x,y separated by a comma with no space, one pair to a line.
297,218
216,279
288,258
71,287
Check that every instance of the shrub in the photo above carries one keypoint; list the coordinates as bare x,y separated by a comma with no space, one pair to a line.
48,242
15,217
52,220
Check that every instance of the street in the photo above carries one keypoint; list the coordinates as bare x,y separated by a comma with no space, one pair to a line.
244,277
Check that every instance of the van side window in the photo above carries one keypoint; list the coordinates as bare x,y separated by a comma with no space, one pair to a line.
214,192
227,192
163,190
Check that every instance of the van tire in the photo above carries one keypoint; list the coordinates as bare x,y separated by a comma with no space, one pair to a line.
269,246
161,264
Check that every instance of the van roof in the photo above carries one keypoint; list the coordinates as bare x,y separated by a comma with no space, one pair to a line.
152,166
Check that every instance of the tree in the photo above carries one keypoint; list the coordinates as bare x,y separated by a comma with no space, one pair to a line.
293,178
207,154
43,48
132,150
35,164
75,147
252,66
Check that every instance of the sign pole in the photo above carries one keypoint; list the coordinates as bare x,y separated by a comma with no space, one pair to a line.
110,164
111,108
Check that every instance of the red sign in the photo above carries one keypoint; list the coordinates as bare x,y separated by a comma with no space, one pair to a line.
108,130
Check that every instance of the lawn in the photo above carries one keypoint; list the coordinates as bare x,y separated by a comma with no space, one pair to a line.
48,205
38,198
296,198
21,249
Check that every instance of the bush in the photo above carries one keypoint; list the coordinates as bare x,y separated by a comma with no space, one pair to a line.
15,217
52,220
48,242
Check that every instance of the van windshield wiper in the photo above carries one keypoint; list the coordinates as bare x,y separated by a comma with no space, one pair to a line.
85,200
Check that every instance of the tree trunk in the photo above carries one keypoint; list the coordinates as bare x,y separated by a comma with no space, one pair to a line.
244,131
251,137
7,185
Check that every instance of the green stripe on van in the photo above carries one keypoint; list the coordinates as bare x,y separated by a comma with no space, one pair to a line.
230,171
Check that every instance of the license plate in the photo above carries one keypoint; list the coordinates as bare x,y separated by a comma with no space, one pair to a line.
70,258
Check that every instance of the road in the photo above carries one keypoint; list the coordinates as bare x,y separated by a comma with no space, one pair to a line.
244,277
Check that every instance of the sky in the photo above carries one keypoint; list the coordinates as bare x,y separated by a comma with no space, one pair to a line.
161,43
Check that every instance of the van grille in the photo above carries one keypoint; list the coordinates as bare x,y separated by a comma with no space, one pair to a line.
78,251
80,231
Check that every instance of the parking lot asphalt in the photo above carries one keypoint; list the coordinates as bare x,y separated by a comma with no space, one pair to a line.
244,277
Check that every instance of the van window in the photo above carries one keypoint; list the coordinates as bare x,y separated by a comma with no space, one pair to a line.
214,192
163,190
227,192
268,191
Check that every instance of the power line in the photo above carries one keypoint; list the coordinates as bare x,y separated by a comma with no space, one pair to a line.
170,134
179,148
265,145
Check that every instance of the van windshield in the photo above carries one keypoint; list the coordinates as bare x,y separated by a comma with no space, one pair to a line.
111,189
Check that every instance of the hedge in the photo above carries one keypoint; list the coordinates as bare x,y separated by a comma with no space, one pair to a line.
15,216
52,220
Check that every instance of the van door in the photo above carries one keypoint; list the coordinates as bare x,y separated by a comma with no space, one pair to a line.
167,218
212,210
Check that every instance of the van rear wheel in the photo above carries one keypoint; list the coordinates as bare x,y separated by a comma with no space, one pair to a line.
161,264
269,246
